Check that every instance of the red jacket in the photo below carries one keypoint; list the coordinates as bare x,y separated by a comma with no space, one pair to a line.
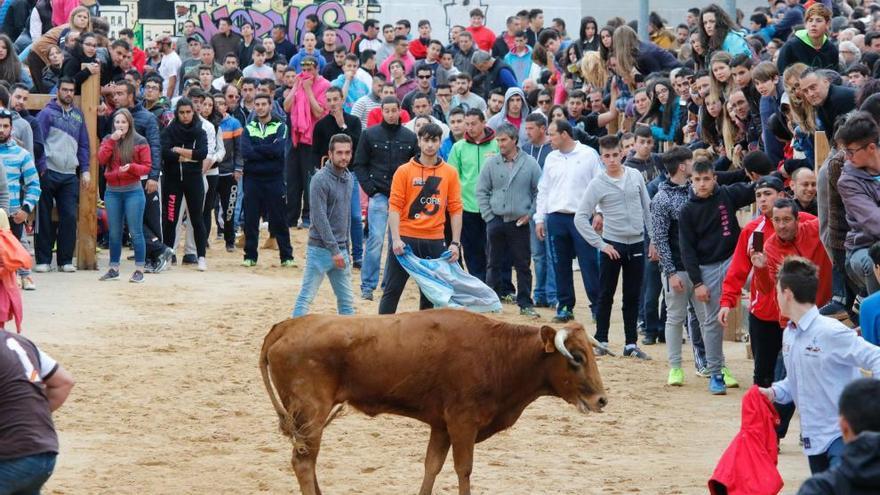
806,244
484,37
140,162
375,117
761,304
748,466
418,48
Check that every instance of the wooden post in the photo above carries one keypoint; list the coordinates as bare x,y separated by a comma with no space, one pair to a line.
821,149
87,221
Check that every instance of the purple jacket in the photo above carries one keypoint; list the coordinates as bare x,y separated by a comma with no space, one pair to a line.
860,192
66,139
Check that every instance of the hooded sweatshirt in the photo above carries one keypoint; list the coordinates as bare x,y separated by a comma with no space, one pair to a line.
502,117
860,192
665,210
708,229
189,136
468,156
66,138
799,48
857,474
521,64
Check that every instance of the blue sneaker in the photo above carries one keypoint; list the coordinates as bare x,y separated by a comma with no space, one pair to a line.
563,315
716,385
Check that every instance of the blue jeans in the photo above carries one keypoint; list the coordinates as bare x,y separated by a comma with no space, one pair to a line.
129,206
828,459
377,219
652,311
26,475
357,224
566,243
861,271
545,277
319,262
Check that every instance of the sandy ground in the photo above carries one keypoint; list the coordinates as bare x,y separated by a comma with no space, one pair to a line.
169,400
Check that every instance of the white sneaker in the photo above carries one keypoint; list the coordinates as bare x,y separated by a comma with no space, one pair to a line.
68,268
203,264
42,268
27,283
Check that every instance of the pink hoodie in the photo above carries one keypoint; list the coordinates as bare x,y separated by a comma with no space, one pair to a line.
302,121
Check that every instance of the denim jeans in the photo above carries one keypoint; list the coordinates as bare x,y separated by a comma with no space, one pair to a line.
61,190
377,219
652,310
566,243
319,262
861,271
828,459
632,264
26,475
545,277
357,223
126,205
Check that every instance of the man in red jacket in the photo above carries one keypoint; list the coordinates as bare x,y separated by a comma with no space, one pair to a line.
797,234
138,57
764,332
483,36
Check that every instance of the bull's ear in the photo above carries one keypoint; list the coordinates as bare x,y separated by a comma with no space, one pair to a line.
547,335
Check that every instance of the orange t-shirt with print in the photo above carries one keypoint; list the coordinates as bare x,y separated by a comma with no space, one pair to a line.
422,195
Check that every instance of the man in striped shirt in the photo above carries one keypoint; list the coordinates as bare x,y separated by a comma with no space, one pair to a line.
18,166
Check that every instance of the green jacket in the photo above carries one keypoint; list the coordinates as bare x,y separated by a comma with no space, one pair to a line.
467,157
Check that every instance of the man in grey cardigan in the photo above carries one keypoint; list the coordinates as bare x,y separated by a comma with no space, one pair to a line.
327,253
507,192
621,195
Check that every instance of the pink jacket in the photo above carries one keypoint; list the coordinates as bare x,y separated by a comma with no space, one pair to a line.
302,120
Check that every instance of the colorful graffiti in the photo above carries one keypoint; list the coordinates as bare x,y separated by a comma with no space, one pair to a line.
331,13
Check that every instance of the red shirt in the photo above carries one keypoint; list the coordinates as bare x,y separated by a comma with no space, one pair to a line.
761,304
138,59
418,48
483,37
807,245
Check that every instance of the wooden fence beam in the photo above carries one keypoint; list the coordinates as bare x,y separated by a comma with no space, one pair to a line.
821,149
87,221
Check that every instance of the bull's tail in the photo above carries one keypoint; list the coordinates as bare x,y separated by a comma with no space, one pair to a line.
285,418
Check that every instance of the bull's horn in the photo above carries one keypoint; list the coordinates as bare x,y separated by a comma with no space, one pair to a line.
559,341
595,343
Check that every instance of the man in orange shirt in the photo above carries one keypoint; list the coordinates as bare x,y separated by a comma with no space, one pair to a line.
422,191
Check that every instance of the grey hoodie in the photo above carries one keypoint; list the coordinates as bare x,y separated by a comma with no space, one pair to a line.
625,209
508,191
21,130
501,117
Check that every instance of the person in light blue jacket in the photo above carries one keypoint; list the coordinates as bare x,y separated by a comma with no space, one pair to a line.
718,32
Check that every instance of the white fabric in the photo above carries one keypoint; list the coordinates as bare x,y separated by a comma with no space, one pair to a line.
567,176
169,67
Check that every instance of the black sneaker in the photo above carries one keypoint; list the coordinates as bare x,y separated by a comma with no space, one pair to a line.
635,352
563,315
137,277
112,274
173,259
150,266
649,340
230,248
190,259
164,258
357,265
601,350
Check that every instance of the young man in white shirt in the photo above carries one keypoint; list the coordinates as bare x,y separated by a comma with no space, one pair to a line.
821,357
568,170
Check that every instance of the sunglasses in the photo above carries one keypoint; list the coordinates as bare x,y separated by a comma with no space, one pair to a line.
424,77
543,102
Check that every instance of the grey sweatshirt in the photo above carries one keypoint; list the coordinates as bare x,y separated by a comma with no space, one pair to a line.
625,208
508,190
330,203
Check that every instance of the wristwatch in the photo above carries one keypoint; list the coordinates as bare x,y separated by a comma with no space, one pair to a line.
456,244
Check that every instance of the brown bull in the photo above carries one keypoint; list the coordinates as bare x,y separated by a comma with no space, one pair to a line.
464,374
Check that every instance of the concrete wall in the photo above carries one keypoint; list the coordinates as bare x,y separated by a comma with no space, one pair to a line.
674,11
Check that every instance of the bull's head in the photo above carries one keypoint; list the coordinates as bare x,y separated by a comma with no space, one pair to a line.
576,376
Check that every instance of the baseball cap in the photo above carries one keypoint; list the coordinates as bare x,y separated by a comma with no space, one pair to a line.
769,182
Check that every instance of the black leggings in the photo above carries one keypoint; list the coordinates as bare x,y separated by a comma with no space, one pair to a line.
177,188
227,188
210,202
766,340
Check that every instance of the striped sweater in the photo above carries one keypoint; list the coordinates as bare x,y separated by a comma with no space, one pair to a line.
19,166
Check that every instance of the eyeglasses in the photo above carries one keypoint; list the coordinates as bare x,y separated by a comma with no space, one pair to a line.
543,102
850,152
424,77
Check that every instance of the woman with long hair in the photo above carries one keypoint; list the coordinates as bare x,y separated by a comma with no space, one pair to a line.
720,74
208,110
572,65
698,51
718,32
636,59
803,114
184,147
710,122
666,112
80,21
10,67
593,70
733,132
642,108
588,39
606,42
84,52
125,156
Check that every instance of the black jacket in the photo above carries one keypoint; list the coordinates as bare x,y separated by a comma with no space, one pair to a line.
797,50
17,18
708,229
327,127
381,150
73,67
191,137
487,81
857,474
652,58
841,100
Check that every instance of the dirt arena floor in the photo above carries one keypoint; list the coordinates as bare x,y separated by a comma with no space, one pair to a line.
169,400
